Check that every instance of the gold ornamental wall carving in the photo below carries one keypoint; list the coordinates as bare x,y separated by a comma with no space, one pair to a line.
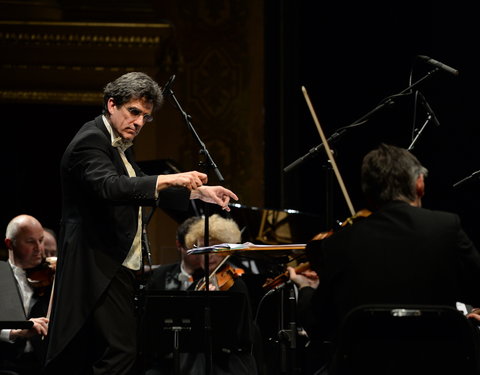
69,62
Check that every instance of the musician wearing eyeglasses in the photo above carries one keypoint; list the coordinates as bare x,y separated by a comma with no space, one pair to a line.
93,327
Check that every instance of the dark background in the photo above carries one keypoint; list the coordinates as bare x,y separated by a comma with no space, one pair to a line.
350,56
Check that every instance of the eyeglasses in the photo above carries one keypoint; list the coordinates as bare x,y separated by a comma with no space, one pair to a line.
136,112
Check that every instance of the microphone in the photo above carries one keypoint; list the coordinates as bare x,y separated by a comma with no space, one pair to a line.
438,64
166,89
428,109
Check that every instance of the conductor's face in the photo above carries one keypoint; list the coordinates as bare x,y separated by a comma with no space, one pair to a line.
129,118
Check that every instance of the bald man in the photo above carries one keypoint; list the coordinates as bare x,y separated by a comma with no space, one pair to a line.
22,350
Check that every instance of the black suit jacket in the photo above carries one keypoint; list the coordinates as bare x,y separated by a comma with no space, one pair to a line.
159,276
100,204
398,255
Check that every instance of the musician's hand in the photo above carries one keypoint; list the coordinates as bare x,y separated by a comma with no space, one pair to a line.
305,278
474,314
214,194
40,327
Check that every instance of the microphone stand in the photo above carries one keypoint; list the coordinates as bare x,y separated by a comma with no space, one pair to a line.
340,132
468,178
313,151
430,117
142,285
207,164
335,136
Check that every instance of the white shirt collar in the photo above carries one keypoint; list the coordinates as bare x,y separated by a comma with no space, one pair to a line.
17,270
182,270
116,140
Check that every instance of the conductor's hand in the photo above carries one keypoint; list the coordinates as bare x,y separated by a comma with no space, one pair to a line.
305,278
190,180
40,327
214,194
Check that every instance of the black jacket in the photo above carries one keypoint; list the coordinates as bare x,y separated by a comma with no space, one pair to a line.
99,221
398,255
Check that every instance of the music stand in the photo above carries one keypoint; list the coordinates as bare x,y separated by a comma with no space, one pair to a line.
12,315
174,322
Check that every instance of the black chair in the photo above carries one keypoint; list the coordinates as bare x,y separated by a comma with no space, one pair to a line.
391,340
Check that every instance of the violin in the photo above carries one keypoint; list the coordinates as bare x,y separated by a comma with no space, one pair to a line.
41,277
223,277
282,278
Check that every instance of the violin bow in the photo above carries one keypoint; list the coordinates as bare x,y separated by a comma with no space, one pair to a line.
329,152
50,303
49,311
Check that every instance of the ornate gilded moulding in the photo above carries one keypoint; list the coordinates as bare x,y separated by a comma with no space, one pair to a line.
69,62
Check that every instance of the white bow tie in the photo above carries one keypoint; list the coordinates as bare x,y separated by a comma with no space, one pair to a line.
121,143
